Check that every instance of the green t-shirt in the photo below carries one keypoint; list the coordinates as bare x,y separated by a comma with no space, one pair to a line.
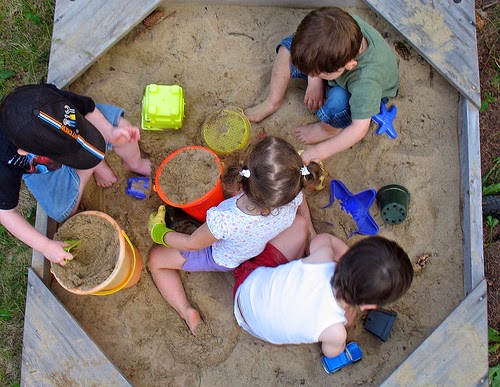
375,76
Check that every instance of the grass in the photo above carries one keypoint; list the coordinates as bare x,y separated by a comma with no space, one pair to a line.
494,347
14,262
25,33
491,181
490,84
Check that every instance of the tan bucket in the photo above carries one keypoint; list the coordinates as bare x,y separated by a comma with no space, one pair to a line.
128,267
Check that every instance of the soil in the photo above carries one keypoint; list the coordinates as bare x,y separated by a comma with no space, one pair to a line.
95,256
487,42
223,56
189,175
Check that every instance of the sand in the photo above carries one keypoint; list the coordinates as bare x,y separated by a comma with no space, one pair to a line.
94,257
221,56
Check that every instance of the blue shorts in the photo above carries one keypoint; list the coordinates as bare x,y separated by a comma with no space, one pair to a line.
201,260
57,191
335,111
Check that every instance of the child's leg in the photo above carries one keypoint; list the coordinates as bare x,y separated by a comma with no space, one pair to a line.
58,192
305,213
293,241
163,264
279,81
84,175
104,176
128,152
334,115
131,154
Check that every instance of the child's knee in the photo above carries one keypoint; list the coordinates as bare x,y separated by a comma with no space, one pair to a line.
156,256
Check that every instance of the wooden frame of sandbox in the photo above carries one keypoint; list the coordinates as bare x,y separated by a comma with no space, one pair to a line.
57,351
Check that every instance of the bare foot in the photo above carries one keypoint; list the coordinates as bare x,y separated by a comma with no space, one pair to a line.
143,167
193,319
104,176
314,133
258,112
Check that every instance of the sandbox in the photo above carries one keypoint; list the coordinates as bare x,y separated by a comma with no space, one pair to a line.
223,55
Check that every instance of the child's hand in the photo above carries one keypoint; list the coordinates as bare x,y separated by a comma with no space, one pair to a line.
309,155
157,227
124,134
55,252
315,93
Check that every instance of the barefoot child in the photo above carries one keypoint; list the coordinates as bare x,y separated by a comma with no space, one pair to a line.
55,140
349,70
270,181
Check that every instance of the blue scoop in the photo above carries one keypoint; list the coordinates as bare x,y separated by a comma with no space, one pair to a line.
358,206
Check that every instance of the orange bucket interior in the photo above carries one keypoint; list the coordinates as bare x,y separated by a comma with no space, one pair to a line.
197,208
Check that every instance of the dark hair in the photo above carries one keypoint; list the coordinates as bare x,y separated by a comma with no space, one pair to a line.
373,271
274,174
325,40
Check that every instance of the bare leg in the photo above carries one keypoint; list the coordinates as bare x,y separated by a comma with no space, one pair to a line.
292,242
304,212
314,133
279,81
163,265
131,155
84,175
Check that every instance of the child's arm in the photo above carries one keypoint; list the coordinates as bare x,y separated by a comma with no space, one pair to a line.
342,141
333,340
326,248
13,221
122,134
163,235
315,93
200,239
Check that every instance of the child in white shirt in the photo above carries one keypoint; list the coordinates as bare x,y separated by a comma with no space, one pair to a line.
270,200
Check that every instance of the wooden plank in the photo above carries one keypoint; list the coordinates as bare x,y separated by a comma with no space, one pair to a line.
444,33
56,349
455,354
280,3
472,218
85,29
46,226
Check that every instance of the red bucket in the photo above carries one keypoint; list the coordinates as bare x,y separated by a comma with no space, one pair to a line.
197,208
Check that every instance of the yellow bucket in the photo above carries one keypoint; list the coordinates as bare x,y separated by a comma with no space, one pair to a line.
128,264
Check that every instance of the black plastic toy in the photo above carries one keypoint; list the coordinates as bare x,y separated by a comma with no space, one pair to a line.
178,220
379,322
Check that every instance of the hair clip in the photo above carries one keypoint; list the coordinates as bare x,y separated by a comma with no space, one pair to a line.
304,171
245,173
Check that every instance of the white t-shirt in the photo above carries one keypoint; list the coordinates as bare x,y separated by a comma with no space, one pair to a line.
288,304
242,236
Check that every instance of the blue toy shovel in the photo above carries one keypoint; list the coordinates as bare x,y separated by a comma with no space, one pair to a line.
357,206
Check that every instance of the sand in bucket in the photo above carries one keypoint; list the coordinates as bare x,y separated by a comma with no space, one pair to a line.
189,179
104,260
